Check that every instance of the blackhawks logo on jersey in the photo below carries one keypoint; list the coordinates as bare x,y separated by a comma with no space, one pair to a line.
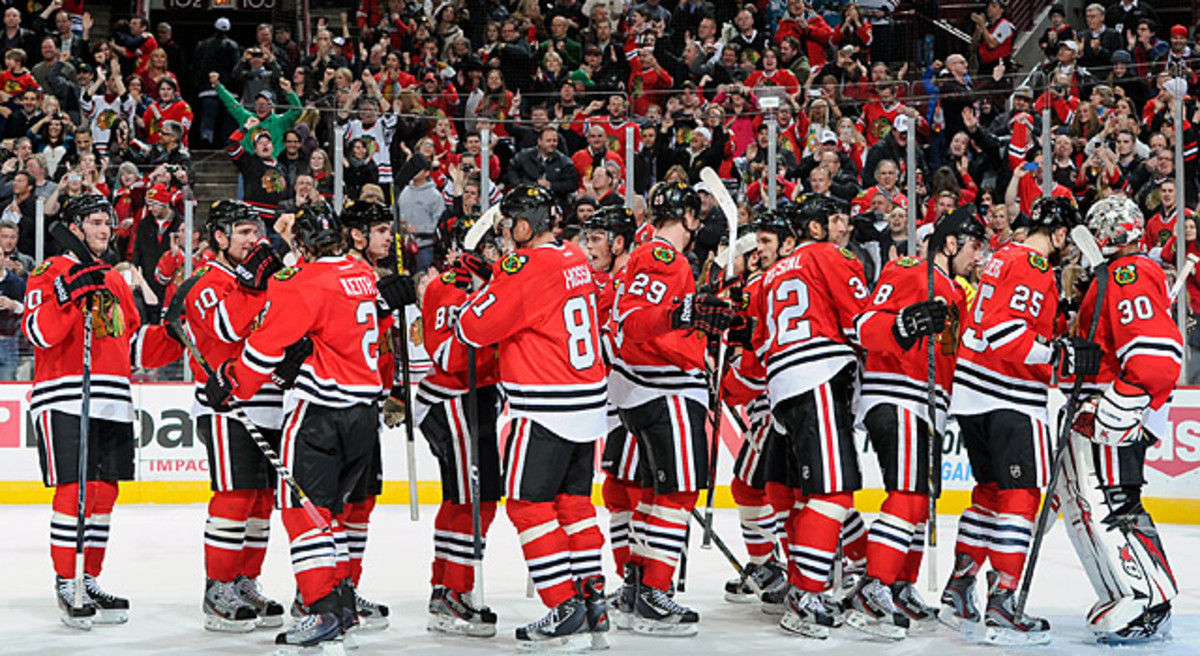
201,271
286,273
1125,275
907,262
448,277
846,253
41,268
512,263
663,254
1038,261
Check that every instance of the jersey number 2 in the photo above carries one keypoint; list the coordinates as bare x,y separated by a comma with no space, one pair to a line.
365,314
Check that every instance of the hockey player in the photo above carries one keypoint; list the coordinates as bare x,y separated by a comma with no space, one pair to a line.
57,292
220,310
894,410
1122,553
609,239
1000,396
439,412
331,424
658,385
540,309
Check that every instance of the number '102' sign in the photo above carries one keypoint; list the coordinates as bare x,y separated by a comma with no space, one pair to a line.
200,5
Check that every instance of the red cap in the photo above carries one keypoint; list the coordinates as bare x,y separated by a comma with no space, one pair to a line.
1179,30
159,194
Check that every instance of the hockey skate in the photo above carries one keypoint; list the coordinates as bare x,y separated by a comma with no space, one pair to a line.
621,603
872,611
110,609
318,633
225,610
805,614
755,580
454,613
922,618
1153,625
1004,626
344,593
372,615
563,629
655,613
959,611
774,598
270,612
76,618
597,611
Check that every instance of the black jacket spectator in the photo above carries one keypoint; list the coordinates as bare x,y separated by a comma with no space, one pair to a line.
531,165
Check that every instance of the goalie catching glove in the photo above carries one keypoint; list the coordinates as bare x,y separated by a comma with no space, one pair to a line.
260,264
703,312
919,320
1113,418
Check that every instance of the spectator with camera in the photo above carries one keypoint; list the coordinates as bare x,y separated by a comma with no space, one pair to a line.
256,74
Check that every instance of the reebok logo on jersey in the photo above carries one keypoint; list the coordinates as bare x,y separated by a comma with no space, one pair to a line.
513,263
1038,262
663,254
1125,275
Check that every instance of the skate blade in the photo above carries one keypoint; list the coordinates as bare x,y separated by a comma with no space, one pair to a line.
772,609
1010,638
456,626
599,640
350,639
327,648
922,627
795,626
78,623
112,616
373,623
572,644
621,620
222,625
954,621
741,598
870,626
269,621
647,627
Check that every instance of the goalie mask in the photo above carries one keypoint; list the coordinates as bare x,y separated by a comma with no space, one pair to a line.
1116,222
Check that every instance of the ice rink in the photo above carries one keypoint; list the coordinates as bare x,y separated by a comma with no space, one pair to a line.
156,559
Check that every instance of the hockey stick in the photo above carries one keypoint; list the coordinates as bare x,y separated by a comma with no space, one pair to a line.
403,363
68,240
721,546
681,582
1091,252
472,402
174,321
725,202
935,442
1181,279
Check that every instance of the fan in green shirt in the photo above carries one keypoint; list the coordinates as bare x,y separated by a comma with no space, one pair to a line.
264,109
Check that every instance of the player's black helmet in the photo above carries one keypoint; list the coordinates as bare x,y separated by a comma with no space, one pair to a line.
365,213
223,215
532,203
78,208
316,226
669,201
616,221
1052,213
809,208
775,221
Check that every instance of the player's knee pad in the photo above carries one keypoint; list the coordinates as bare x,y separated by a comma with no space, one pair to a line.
103,496
834,506
1022,502
677,500
527,515
66,499
234,504
986,496
619,495
912,507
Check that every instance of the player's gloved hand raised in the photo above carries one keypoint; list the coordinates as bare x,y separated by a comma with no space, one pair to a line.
919,320
260,264
219,387
469,266
79,281
396,291
706,313
1075,356
394,409
293,356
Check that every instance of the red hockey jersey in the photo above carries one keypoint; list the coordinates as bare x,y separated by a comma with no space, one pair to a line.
1141,341
737,388
219,314
1005,359
651,359
448,377
540,309
332,301
895,376
56,332
157,114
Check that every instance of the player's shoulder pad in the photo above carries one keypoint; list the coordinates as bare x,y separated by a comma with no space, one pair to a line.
1126,274
448,277
42,267
845,252
286,273
907,262
1038,261
513,263
662,254
202,271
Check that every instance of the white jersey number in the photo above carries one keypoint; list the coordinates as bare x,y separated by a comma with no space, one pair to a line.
1138,308
789,325
577,317
365,314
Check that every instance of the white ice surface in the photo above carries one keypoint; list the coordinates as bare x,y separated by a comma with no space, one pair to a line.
156,559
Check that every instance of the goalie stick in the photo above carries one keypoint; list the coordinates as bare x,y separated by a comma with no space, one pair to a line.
1091,252
725,202
173,320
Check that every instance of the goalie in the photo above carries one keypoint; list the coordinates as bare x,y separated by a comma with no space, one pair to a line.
1100,496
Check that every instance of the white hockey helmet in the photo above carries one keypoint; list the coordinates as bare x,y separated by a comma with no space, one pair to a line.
1116,222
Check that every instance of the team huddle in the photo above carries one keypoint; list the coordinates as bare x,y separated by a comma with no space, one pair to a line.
616,343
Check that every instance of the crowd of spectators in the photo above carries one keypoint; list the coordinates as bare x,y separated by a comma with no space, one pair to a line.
562,90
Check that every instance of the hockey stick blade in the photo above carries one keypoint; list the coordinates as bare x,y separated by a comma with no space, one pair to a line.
717,188
1086,243
1181,279
484,223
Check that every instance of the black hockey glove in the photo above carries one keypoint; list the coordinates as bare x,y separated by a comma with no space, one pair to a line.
1075,356
79,281
396,291
706,313
293,356
219,387
478,266
260,264
741,332
919,320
